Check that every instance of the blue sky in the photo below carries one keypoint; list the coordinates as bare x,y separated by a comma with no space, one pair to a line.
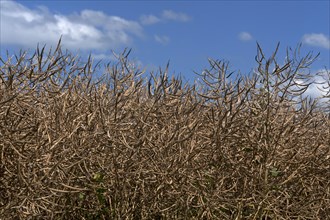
185,32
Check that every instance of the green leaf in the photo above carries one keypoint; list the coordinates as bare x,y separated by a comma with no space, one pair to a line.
81,196
274,172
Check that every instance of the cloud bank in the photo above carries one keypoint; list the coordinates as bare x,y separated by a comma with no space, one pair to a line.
318,40
149,19
167,15
162,39
245,36
175,16
87,30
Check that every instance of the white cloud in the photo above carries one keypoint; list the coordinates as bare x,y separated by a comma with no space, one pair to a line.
245,36
88,30
319,88
322,81
104,56
315,90
319,40
167,15
11,9
176,16
162,39
149,19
